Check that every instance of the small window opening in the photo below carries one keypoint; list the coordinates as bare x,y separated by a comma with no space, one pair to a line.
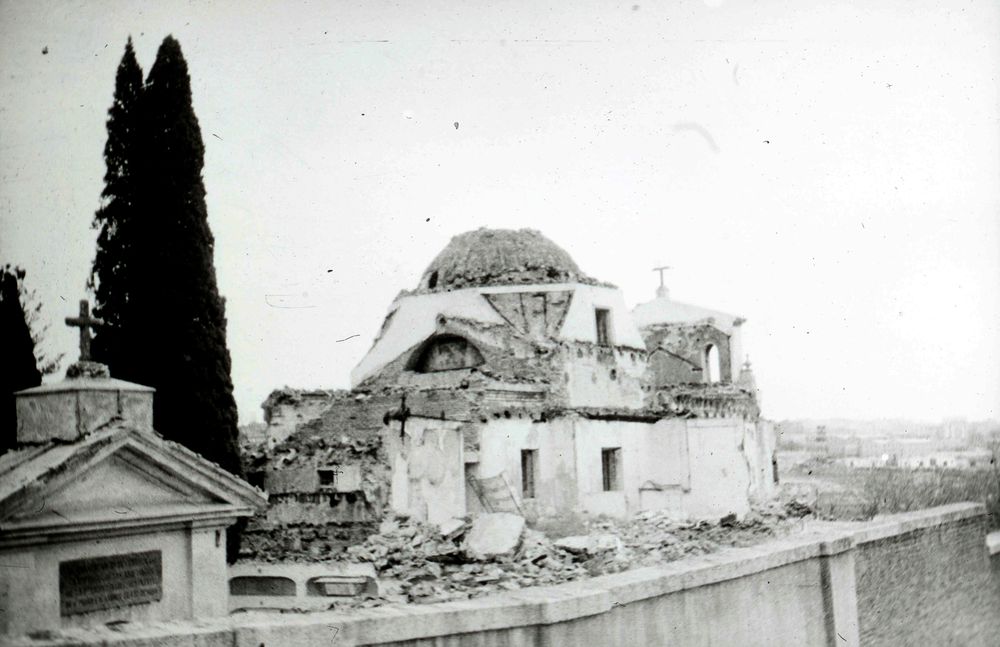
432,281
711,360
328,476
611,468
529,465
602,317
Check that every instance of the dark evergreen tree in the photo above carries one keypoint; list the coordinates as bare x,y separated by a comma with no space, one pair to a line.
167,320
112,276
176,313
17,353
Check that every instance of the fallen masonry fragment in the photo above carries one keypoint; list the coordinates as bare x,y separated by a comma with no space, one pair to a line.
589,544
494,534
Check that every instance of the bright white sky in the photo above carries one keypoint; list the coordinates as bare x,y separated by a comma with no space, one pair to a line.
829,170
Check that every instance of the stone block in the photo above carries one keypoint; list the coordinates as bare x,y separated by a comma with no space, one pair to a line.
494,534
589,544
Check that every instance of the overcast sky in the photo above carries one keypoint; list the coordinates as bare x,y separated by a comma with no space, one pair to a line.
828,170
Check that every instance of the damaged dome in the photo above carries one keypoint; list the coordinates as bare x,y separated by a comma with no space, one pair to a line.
487,257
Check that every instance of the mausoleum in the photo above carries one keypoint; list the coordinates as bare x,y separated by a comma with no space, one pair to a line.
101,519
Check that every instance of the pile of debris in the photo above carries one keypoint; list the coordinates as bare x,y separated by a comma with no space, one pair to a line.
423,563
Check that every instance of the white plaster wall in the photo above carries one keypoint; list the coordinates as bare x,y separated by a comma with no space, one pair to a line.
209,572
664,455
192,563
698,460
500,445
650,452
428,469
415,319
759,445
720,472
569,461
580,324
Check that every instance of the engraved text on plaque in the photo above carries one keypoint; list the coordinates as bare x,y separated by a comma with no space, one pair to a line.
110,582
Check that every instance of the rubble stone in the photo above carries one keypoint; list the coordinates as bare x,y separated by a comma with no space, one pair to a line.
589,544
494,534
452,528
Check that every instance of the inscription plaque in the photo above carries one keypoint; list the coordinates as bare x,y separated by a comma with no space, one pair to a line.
111,582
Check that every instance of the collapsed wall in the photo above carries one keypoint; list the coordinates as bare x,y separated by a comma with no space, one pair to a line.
327,479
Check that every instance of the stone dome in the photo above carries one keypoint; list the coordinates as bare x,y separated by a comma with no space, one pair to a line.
500,257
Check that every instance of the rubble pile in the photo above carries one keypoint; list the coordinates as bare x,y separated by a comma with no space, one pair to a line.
416,562
423,563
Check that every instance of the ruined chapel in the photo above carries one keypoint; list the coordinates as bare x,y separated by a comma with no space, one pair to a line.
508,368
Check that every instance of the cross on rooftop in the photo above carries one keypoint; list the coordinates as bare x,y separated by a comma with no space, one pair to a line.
662,290
84,322
661,270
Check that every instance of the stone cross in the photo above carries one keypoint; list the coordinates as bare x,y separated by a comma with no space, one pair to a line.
662,290
84,322
661,270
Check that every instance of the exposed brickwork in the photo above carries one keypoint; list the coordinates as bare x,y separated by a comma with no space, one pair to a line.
500,257
928,587
705,401
303,541
685,345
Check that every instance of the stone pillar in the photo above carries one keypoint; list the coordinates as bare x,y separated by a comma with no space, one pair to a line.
840,593
209,572
21,593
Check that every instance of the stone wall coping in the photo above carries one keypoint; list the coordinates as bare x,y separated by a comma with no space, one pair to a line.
522,608
898,524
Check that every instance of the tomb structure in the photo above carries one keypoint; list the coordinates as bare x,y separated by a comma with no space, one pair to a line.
509,380
101,519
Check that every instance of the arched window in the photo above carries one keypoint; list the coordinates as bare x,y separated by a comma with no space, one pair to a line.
445,353
711,364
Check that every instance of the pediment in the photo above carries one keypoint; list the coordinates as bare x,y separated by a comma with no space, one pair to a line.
120,475
126,483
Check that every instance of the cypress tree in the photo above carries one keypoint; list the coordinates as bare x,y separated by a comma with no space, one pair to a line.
17,353
112,276
180,320
155,263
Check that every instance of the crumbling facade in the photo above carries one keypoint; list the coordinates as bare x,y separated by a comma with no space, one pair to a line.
508,365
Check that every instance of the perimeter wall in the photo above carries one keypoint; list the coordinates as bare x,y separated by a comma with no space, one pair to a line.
923,577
